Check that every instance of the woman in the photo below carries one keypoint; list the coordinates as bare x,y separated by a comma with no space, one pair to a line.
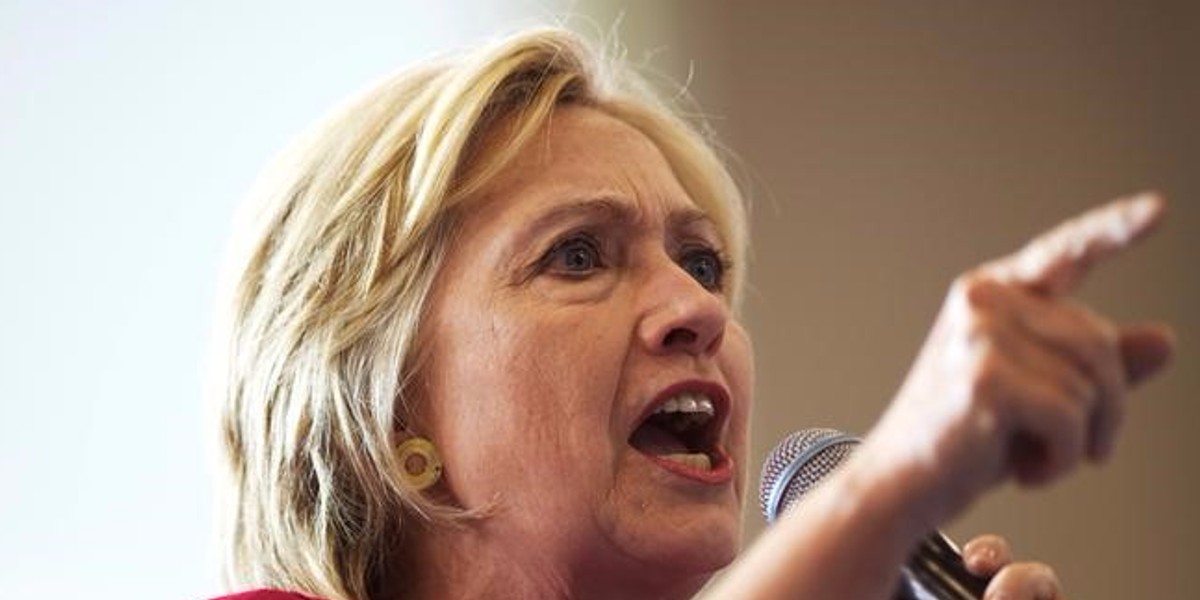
482,343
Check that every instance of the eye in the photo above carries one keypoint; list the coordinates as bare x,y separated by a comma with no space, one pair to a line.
574,256
706,266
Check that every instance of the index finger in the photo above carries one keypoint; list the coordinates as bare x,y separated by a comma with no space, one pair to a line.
1055,262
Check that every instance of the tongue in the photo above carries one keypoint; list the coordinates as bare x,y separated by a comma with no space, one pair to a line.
652,439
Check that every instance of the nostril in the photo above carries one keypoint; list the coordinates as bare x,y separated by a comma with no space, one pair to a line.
679,336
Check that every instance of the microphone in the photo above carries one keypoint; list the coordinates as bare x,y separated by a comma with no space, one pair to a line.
935,571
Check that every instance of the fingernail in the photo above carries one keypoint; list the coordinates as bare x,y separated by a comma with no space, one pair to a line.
1046,590
1143,206
979,556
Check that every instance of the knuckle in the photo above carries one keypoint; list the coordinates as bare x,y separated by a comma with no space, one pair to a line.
1032,580
1084,392
1106,421
975,290
1076,443
1047,585
1099,336
986,381
1098,345
980,333
1114,414
1070,445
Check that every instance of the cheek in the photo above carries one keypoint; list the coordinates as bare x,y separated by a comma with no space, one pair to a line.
737,363
562,378
521,396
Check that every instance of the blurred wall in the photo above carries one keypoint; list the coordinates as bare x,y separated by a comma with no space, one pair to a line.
889,147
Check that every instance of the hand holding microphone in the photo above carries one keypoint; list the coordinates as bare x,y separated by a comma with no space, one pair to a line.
934,571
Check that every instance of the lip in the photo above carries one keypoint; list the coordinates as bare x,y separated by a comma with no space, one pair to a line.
722,469
721,472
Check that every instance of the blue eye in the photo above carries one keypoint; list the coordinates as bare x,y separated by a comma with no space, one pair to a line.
574,256
705,266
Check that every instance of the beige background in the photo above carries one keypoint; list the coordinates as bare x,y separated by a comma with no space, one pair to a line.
890,147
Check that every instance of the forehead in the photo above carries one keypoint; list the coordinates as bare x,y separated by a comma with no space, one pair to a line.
583,154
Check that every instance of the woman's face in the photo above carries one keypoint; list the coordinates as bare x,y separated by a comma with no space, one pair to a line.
583,366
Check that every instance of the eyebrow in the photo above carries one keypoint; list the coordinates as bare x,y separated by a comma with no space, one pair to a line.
610,209
606,208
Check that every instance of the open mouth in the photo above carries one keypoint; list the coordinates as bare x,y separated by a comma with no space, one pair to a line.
683,434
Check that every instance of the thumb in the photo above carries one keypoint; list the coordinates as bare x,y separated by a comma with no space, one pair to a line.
1145,349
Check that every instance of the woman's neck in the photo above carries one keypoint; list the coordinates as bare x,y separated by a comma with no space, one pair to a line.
466,562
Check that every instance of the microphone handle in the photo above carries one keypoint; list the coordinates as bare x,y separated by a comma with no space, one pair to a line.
936,572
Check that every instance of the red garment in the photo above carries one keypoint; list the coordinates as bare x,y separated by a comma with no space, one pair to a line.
266,595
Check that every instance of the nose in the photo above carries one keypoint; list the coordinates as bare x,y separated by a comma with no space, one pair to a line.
680,315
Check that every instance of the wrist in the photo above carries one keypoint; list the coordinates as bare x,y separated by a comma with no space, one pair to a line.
897,486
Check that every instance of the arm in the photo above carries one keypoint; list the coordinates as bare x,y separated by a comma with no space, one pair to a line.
846,540
1015,381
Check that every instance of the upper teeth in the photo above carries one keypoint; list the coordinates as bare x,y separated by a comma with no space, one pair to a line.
687,403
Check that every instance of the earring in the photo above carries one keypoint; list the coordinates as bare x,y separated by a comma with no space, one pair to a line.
420,466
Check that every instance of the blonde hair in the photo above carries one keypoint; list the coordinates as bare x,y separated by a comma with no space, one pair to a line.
317,343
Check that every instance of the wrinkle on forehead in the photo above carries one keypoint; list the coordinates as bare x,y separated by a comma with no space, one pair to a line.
584,154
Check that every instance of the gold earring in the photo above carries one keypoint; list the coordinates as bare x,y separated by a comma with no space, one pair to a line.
420,466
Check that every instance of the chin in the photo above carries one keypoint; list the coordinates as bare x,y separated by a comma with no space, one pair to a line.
699,543
710,550
670,525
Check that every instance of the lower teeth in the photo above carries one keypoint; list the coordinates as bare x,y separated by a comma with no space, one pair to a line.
697,460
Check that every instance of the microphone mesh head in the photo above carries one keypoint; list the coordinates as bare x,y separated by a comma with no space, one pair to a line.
798,464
